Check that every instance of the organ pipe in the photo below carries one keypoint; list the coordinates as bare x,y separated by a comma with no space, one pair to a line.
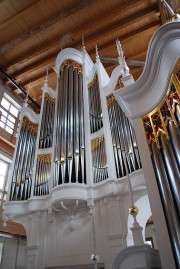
47,122
172,168
99,159
24,161
70,145
95,110
123,139
42,175
167,199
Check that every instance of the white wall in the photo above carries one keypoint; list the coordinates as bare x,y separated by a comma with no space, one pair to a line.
14,253
52,242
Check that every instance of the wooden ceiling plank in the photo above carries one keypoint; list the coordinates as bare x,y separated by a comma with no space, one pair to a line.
125,23
11,20
107,17
149,28
34,78
114,27
141,31
31,67
80,30
47,23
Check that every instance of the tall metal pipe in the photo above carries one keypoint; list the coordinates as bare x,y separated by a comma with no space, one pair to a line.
172,169
175,138
167,201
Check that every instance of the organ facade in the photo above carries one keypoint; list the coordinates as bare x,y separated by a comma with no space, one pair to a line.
77,166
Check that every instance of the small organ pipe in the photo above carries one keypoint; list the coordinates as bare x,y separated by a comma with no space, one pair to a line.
47,122
43,168
123,139
21,178
95,110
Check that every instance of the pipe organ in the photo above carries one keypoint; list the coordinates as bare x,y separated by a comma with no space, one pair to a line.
57,153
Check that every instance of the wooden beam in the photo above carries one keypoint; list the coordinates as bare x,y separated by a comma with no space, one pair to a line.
116,27
91,39
149,28
82,29
19,87
47,23
27,9
45,61
6,146
34,78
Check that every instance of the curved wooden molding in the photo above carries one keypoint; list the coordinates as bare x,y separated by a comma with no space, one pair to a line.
146,93
113,80
49,90
30,114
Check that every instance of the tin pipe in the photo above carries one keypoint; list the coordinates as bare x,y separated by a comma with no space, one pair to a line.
172,169
168,202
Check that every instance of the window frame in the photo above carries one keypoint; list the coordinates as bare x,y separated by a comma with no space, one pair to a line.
7,121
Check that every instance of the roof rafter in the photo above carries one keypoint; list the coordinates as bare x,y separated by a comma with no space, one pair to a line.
78,31
47,23
145,29
91,40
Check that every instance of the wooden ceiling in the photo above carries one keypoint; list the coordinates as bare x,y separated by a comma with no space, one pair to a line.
32,33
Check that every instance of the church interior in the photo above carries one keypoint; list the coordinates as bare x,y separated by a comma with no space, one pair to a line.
89,134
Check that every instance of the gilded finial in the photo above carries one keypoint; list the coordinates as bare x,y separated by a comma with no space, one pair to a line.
133,210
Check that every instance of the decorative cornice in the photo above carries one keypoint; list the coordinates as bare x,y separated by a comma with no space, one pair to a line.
75,55
73,191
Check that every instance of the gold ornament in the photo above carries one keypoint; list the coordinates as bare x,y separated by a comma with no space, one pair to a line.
133,210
